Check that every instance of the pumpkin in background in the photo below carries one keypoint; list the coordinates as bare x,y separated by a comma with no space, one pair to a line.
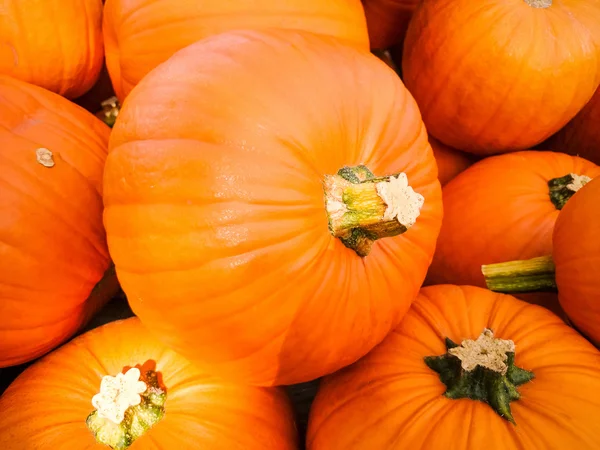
387,21
571,267
466,369
581,136
141,34
55,44
53,252
486,78
450,162
162,401
246,225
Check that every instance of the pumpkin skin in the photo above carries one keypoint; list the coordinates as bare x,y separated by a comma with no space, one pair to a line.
581,136
387,21
498,210
52,243
392,400
576,252
47,405
64,54
215,203
169,26
520,88
450,162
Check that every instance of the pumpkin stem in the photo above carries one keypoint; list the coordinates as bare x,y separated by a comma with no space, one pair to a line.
483,370
363,208
110,111
563,188
539,3
126,408
531,275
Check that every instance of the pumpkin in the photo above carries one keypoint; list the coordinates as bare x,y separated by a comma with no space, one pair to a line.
55,44
117,386
581,136
571,267
53,253
387,21
450,162
141,34
486,78
466,369
259,207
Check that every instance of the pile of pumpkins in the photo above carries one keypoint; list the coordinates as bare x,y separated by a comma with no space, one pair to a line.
398,198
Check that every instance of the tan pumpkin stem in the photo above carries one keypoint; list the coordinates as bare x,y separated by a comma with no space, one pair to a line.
363,208
539,3
532,275
110,111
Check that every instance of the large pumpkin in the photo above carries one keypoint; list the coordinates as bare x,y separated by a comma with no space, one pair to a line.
141,34
241,209
572,266
55,44
450,162
117,386
466,369
387,21
486,75
581,136
53,250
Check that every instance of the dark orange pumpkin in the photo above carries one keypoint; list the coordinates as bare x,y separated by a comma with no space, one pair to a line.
437,382
245,224
52,242
450,162
55,44
581,136
492,76
387,21
141,34
64,401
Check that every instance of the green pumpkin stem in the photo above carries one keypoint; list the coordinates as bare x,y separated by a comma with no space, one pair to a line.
482,370
110,111
531,275
563,188
136,421
362,208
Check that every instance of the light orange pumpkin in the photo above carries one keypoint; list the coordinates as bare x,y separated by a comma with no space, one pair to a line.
53,253
387,21
181,406
437,382
235,236
55,44
450,162
141,34
492,76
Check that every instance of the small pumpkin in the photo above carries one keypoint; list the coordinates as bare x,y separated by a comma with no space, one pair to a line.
466,369
141,34
486,78
258,209
581,136
55,44
387,21
117,387
53,252
450,162
572,266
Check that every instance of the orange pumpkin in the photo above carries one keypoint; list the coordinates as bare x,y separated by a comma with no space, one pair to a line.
450,162
242,213
387,21
581,136
528,381
141,34
486,78
53,252
55,44
571,268
159,401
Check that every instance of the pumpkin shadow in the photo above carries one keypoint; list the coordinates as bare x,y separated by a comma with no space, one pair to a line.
149,365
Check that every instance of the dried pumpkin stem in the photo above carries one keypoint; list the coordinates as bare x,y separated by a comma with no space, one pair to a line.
483,370
363,208
542,4
126,408
110,111
563,188
531,275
